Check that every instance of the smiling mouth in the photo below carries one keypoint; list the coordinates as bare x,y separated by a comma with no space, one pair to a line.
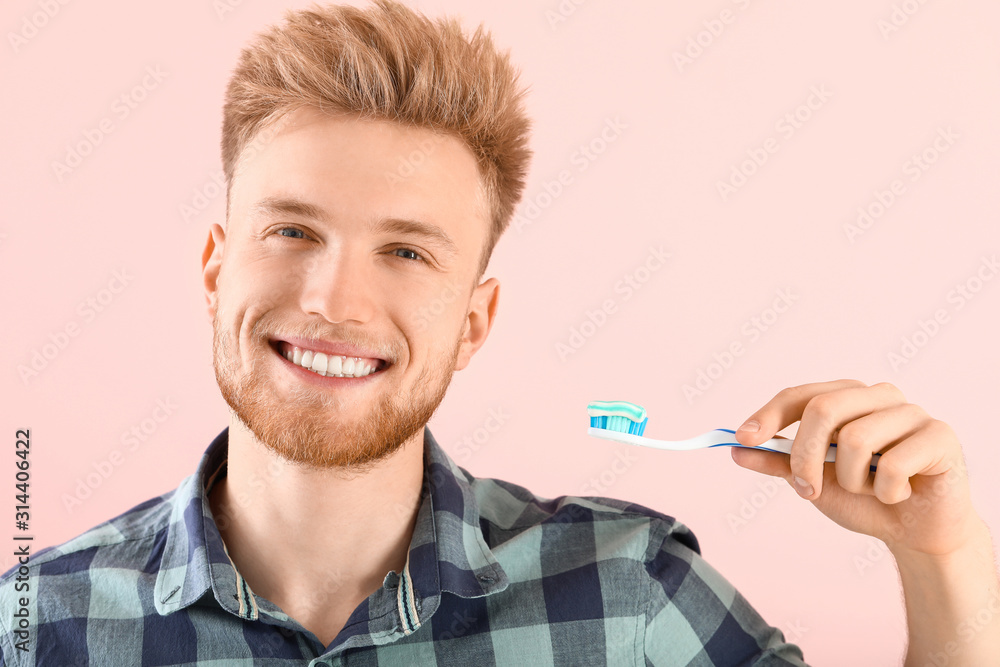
330,365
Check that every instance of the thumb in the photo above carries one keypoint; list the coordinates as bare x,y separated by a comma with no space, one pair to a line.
758,429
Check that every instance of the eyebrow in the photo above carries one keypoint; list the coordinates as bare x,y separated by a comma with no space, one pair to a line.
288,206
271,206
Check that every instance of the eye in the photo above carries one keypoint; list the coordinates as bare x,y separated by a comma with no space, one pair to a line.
407,253
292,233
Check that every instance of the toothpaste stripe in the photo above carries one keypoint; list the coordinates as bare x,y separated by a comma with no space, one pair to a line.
613,409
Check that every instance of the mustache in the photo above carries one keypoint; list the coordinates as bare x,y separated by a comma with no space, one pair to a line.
263,331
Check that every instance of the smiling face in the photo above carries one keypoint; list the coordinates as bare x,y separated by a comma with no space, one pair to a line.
343,292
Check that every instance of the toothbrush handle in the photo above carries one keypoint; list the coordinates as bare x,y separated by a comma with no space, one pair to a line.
784,446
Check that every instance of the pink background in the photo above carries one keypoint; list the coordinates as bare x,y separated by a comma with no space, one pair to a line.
680,130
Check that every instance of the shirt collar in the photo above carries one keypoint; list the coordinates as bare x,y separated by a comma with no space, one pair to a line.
448,552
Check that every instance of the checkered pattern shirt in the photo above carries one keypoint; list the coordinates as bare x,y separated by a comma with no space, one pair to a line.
494,576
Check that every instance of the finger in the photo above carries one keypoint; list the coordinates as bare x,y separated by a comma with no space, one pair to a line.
784,409
857,440
770,463
821,417
931,450
762,461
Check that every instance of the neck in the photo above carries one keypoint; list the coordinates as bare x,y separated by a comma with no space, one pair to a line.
316,542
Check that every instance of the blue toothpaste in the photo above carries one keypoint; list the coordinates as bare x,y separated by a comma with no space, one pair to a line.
620,416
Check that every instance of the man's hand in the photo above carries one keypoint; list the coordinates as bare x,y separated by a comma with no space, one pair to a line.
918,499
917,502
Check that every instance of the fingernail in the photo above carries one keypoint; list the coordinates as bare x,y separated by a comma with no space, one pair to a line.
803,488
750,426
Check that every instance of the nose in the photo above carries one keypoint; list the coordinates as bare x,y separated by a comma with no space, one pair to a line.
338,286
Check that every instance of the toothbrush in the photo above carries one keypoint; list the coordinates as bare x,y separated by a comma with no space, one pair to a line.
622,421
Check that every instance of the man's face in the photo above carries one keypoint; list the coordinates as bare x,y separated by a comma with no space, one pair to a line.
351,245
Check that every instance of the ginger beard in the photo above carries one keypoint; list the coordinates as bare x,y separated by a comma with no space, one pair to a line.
305,430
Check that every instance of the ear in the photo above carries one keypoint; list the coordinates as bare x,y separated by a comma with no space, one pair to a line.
479,321
211,264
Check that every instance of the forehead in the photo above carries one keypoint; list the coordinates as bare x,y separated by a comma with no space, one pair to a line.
361,168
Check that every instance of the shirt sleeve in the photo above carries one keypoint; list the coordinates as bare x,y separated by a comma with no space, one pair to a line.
694,616
8,653
7,656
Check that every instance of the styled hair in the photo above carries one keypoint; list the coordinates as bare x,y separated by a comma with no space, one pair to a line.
387,62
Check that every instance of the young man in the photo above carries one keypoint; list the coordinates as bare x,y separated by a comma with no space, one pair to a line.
326,526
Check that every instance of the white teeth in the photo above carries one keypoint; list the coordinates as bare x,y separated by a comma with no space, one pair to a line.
329,365
319,363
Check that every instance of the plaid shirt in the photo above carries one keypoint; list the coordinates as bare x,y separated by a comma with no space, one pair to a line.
495,576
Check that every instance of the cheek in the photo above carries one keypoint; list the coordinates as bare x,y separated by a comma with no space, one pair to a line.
258,283
435,310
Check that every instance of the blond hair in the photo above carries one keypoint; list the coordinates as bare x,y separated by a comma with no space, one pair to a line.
387,62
